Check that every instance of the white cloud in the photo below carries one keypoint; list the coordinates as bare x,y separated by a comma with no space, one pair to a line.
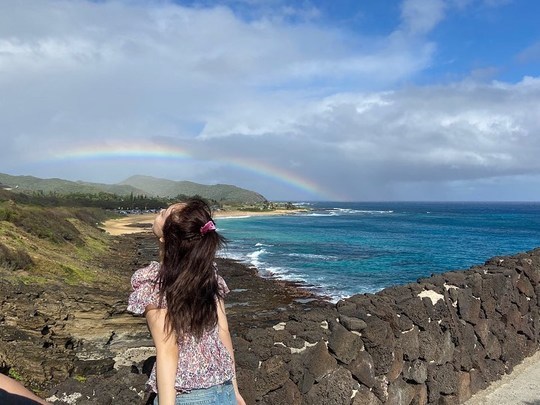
421,16
304,99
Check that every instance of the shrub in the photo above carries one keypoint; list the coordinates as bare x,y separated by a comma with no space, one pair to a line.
45,223
14,374
14,259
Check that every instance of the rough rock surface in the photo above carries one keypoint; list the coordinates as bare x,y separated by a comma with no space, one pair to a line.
439,340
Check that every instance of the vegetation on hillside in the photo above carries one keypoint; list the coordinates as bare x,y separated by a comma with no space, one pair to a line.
58,186
52,244
222,193
138,187
50,237
106,201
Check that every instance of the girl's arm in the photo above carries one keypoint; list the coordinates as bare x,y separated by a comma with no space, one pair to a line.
167,355
14,387
225,337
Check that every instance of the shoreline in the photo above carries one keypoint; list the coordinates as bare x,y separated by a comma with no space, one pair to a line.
274,322
141,223
514,387
138,223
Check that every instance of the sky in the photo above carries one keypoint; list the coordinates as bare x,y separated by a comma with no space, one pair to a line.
342,100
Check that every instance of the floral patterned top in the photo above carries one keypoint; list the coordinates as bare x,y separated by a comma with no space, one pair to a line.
201,363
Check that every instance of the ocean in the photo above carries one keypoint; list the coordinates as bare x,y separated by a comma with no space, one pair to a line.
342,249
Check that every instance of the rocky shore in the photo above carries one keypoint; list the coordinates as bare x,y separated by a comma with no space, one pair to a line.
433,342
79,345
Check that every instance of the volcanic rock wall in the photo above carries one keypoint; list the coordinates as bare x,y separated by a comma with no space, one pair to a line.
436,341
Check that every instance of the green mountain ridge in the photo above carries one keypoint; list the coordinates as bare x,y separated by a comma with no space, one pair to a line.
60,186
136,185
170,188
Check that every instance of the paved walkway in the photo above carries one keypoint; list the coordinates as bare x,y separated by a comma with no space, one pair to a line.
521,387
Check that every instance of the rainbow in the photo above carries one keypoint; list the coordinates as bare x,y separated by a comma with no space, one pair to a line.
148,150
144,150
278,174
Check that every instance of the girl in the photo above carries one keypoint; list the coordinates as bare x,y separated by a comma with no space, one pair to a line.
182,299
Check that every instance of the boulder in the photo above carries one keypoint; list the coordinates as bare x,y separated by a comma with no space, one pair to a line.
363,370
335,388
344,344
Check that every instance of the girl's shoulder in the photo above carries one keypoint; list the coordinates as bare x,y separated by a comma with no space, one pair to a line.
145,292
145,275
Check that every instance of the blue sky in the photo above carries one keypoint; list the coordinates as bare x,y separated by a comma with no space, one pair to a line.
303,100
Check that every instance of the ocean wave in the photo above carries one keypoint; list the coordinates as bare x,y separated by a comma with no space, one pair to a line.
313,256
353,211
254,257
320,285
344,211
226,254
302,204
283,273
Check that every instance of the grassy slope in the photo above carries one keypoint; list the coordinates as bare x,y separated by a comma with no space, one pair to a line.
52,245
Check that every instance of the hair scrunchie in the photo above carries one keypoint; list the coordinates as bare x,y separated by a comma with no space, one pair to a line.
209,226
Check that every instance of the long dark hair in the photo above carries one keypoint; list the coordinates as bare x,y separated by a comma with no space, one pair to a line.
187,278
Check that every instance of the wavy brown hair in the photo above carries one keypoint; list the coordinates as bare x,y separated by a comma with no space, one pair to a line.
187,278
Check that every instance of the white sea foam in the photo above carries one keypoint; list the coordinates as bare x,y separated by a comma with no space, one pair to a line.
283,274
226,254
254,257
313,256
317,285
353,211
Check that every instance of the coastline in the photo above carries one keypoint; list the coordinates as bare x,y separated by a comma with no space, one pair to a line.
140,224
270,297
277,331
137,223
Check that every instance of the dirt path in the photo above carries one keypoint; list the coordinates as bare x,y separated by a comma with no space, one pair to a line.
521,387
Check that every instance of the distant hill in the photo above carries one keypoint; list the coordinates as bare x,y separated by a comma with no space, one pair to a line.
35,184
138,185
218,192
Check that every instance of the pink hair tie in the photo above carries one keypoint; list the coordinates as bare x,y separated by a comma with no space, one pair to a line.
209,226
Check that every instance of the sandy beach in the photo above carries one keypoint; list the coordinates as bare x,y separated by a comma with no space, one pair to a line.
141,222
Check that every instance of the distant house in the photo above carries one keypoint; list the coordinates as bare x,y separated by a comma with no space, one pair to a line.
5,187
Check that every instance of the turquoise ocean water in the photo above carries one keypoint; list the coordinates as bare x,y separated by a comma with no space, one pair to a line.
341,249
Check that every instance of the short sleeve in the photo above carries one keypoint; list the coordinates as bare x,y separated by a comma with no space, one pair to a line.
223,288
145,291
222,285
